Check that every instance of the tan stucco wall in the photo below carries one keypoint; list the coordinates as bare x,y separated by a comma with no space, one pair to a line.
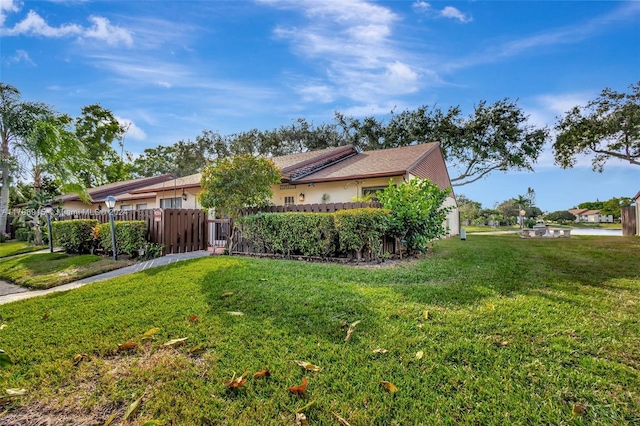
190,203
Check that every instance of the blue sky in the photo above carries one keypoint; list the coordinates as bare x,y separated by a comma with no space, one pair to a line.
174,68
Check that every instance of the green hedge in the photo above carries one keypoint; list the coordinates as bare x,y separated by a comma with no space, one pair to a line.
316,234
131,235
74,236
362,230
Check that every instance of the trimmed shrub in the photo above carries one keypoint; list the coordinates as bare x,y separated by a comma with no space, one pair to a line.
131,235
309,234
74,236
24,234
362,230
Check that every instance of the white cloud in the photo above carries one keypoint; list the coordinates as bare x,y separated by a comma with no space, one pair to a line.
453,13
7,6
133,131
20,56
421,6
352,44
34,25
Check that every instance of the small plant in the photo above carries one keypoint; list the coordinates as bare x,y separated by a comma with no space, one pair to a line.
151,251
4,236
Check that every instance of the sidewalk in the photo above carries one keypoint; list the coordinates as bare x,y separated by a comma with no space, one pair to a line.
160,261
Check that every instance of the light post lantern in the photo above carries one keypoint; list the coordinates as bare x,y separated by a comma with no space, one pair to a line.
48,210
522,214
110,201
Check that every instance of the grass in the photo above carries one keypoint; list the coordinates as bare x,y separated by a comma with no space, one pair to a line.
46,270
17,247
510,331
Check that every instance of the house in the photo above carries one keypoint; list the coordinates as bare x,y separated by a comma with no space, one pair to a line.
636,200
590,216
332,175
120,190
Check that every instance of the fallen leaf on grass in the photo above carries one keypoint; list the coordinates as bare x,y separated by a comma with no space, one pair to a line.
501,344
110,419
175,342
380,351
16,392
149,333
46,315
5,361
194,318
227,294
300,389
301,409
389,386
127,346
352,327
419,355
199,348
342,421
132,408
425,315
235,313
78,358
263,373
238,382
262,279
579,409
301,420
3,326
308,366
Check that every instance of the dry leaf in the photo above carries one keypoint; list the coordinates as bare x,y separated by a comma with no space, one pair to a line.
419,355
342,421
425,315
300,389
380,351
262,279
110,419
194,318
127,346
46,315
3,326
226,294
308,366
234,313
199,348
504,343
352,327
16,392
132,408
301,409
301,420
78,358
149,333
389,386
579,409
175,342
263,373
237,382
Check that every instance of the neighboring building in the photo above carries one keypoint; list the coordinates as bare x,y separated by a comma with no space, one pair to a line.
332,175
590,216
636,199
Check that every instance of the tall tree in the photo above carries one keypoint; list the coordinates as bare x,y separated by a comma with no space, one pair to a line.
231,184
607,127
17,120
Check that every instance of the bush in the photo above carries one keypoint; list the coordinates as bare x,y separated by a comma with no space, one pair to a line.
131,236
152,250
24,234
362,230
74,236
309,234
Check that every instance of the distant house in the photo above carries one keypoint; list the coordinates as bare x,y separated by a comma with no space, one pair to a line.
332,175
590,216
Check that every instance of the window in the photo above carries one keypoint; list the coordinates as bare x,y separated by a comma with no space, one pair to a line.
289,200
125,207
171,203
141,206
372,190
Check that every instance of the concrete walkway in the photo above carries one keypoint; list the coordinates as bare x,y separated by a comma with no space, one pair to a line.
20,292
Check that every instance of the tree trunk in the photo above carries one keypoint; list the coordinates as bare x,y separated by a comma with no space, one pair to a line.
4,193
230,237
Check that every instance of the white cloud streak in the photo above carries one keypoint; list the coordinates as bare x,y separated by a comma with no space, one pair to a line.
101,29
449,12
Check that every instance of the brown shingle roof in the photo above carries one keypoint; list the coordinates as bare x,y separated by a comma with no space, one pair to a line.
117,188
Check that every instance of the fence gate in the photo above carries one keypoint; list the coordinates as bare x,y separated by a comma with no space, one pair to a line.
629,220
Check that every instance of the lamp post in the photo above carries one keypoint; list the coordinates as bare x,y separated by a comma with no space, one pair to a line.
522,214
48,210
110,201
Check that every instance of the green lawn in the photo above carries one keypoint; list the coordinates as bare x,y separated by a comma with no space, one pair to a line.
45,270
17,247
492,330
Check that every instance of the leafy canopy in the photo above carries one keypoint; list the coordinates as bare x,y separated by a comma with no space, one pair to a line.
232,184
607,127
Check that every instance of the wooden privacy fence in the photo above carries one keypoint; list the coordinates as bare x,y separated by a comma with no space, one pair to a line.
179,230
629,221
